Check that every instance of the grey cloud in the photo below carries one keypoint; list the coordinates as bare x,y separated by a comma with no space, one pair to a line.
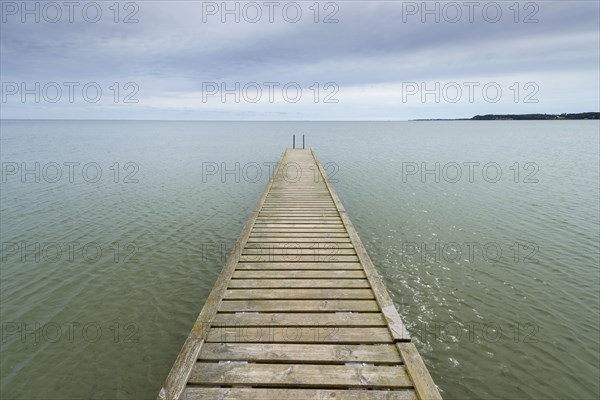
171,52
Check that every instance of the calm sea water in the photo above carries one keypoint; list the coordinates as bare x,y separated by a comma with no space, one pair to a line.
491,254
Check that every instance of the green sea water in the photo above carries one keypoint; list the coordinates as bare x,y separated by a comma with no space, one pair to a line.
485,233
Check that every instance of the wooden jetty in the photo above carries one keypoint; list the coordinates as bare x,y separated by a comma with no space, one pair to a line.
299,311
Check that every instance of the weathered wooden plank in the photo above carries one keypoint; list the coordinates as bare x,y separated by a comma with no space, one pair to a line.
287,187
290,215
299,210
308,198
298,248
307,240
246,258
298,230
299,227
298,283
298,294
424,385
301,375
299,334
299,265
282,191
300,214
200,393
300,274
293,224
304,244
298,305
344,234
328,208
316,191
308,207
299,202
298,221
312,191
298,218
289,205
299,353
304,196
297,245
300,319
301,197
293,251
290,244
312,196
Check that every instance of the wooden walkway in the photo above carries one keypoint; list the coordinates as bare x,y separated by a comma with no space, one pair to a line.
299,311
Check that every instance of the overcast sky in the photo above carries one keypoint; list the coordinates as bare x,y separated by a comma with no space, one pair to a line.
340,60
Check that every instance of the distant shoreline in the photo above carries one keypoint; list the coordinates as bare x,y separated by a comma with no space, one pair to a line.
486,117
521,117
